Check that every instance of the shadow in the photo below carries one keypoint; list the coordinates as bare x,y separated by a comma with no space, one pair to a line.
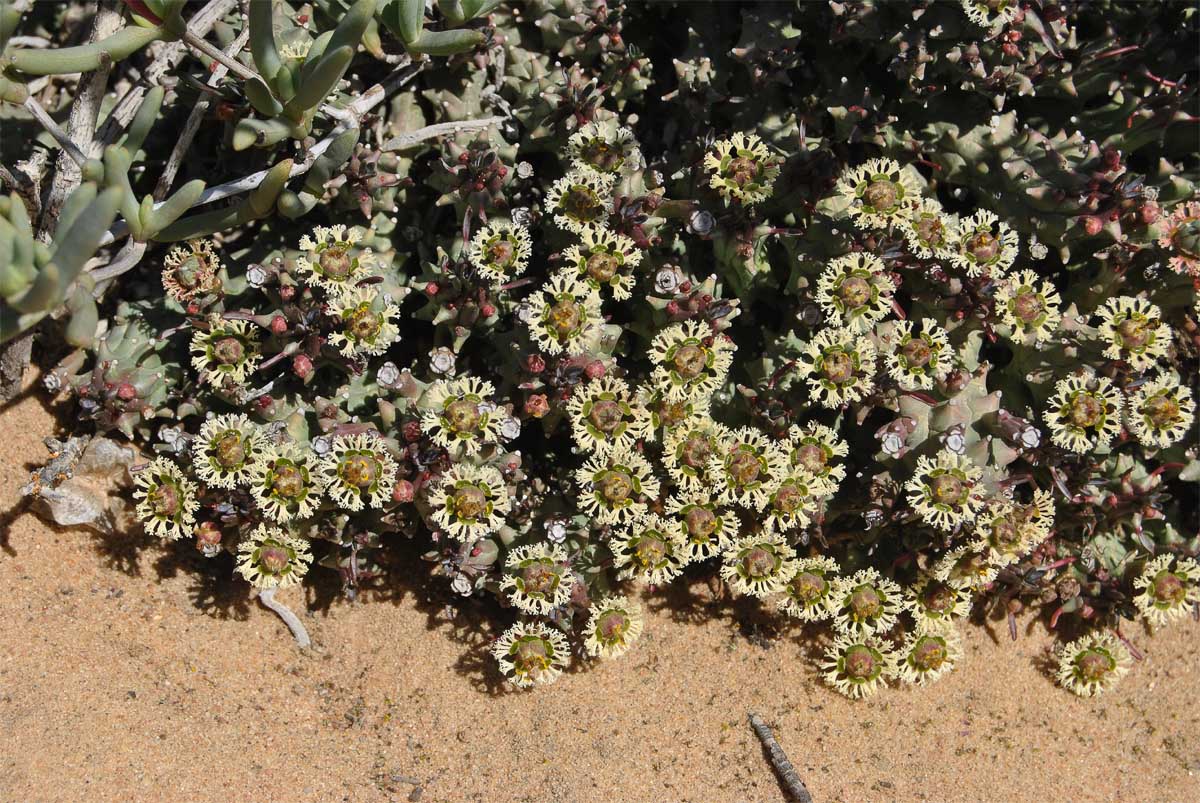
213,586
8,518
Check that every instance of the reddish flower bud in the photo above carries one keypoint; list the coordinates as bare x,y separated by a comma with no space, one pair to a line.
537,405
1149,213
126,392
207,535
287,292
672,308
487,310
403,492
302,366
685,287
503,171
1010,50
535,363
595,369
411,431
431,289
464,157
1111,159
278,325
1092,225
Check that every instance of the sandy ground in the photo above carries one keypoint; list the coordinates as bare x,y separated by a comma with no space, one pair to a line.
130,672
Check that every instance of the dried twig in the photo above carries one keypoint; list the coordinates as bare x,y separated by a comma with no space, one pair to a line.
792,782
52,128
267,598
410,138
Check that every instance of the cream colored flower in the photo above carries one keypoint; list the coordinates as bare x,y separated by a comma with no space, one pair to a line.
538,578
1004,535
945,491
839,367
880,193
605,261
927,229
531,653
284,483
500,251
991,13
692,361
614,624
330,261
688,450
649,548
1161,412
273,558
565,316
795,500
460,415
357,472
1169,586
1133,331
936,604
814,447
1181,235
367,322
469,502
857,667
807,595
604,414
741,168
747,469
191,270
865,604
708,530
1084,413
983,244
917,360
855,292
227,353
669,415
1029,306
925,657
166,500
580,201
226,450
758,565
965,566
1092,664
612,485
604,148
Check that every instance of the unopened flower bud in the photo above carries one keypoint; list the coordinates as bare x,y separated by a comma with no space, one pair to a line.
535,363
126,392
595,369
278,325
431,289
402,492
1149,213
287,292
302,366
487,309
411,431
537,406
208,538
1092,225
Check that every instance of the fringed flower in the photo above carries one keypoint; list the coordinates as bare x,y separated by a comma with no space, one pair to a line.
649,548
565,316
538,578
857,667
272,557
965,566
814,447
854,291
918,359
191,270
839,366
983,244
707,529
1181,236
747,469
1133,331
741,168
166,500
367,322
1084,413
357,472
991,13
227,449
936,604
604,148
469,502
880,192
758,565
1004,535
668,415
807,595
612,485
865,604
945,491
925,657
1029,306
531,653
1168,588
604,414
500,251
688,450
580,201
614,624
285,484
927,229
795,500
1092,664
1161,412
605,261
692,361
227,353
331,261
460,415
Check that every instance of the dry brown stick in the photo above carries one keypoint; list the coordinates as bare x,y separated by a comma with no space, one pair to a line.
792,782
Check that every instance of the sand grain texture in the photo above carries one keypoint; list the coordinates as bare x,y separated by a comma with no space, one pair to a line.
130,672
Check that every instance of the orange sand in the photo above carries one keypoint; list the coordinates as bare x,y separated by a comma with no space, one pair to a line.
134,672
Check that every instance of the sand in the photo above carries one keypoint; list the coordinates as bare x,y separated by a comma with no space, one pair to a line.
134,672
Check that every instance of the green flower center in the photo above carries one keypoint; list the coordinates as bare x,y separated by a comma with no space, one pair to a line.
362,324
1005,535
501,252
1027,306
696,451
1085,411
606,415
744,170
671,413
651,550
931,231
744,467
837,366
947,489
984,246
1093,665
760,562
865,603
1168,588
228,350
229,450
539,578
928,655
192,271
615,486
690,360
565,318
273,559
860,664
581,203
790,497
811,456
1133,333
463,415
938,597
700,523
881,194
602,267
531,655
612,626
855,292
288,480
1162,410
602,156
917,353
359,470
335,261
809,587
165,500
469,503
